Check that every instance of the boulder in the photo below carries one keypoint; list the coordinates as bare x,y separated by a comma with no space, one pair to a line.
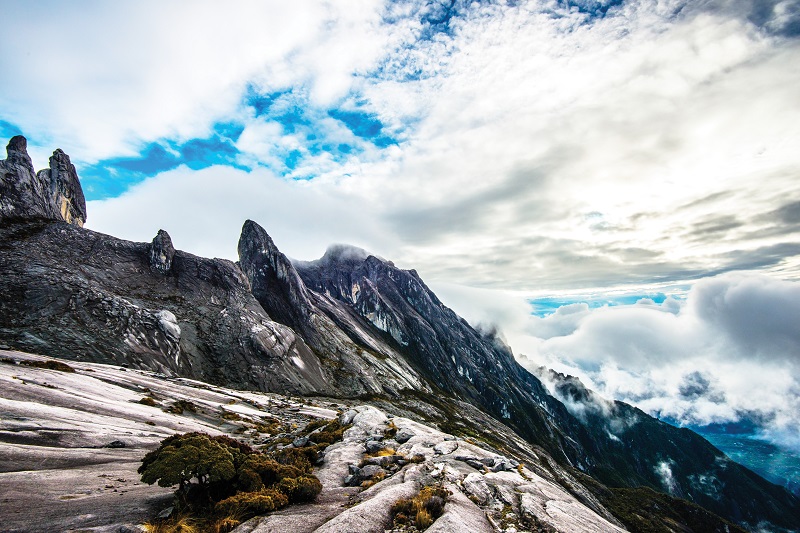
403,435
475,485
373,446
446,447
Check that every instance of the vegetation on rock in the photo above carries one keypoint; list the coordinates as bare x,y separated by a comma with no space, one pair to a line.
422,510
50,364
220,479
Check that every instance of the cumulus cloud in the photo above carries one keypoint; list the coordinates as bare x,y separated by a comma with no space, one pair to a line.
111,76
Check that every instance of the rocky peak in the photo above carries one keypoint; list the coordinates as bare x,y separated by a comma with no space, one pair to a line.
53,193
161,253
66,191
273,279
17,151
341,253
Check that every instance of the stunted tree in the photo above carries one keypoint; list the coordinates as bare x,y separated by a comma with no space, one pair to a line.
220,475
193,456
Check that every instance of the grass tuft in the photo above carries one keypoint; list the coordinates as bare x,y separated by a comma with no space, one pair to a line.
425,508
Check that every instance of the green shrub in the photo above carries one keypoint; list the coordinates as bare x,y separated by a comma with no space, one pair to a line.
300,489
50,365
267,470
300,458
248,504
220,477
181,458
179,406
315,424
331,433
423,520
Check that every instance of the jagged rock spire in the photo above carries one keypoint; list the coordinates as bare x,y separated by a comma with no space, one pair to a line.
65,188
54,193
161,253
273,279
17,151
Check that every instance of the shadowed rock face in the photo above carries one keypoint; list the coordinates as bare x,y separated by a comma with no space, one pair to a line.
74,293
53,193
360,361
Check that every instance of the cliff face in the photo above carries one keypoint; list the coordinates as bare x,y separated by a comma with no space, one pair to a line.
348,325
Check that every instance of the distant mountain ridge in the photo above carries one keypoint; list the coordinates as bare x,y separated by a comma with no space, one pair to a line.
349,324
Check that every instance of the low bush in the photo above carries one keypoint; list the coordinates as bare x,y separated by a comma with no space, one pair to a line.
221,478
330,433
179,524
425,508
249,504
179,406
50,365
300,489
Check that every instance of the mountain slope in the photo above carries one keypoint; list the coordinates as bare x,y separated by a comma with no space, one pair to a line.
347,325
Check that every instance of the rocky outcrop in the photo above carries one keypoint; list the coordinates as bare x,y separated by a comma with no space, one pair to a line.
161,253
66,193
74,293
53,193
362,362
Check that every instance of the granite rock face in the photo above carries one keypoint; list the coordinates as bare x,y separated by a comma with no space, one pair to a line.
361,361
74,293
53,193
65,189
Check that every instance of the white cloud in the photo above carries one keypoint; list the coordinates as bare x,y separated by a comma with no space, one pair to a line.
302,220
109,77
731,351
540,148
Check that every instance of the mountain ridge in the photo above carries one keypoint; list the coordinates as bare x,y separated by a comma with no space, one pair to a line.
349,324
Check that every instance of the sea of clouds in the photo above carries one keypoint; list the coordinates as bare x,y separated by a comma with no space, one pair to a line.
727,352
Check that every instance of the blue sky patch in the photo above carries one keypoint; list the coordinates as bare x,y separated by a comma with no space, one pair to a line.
593,8
364,125
262,102
543,307
111,177
8,130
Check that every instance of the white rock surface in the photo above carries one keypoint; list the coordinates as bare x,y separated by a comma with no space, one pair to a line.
54,426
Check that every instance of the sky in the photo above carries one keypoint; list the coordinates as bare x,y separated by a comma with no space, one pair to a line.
612,183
